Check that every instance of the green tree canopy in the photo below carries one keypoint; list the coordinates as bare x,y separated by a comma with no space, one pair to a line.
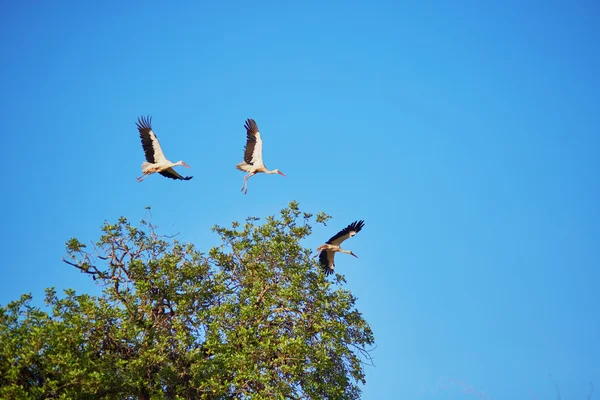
252,318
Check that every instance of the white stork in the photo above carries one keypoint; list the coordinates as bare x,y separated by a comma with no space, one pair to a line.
253,163
155,159
328,250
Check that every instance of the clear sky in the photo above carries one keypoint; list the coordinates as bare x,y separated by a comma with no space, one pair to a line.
465,134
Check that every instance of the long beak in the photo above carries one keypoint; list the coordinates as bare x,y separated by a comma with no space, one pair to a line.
281,173
185,165
354,255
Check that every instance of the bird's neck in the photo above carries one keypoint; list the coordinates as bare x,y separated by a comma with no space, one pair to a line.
270,172
345,251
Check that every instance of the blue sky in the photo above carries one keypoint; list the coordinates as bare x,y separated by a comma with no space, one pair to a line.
464,133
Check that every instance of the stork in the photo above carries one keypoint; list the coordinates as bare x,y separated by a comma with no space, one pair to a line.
332,246
253,163
155,159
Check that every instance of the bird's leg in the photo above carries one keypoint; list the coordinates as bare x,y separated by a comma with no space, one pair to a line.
245,179
245,185
141,178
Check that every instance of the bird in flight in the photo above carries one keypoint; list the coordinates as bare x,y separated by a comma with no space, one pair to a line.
332,246
155,159
253,163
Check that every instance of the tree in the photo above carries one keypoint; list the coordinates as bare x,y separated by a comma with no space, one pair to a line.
253,318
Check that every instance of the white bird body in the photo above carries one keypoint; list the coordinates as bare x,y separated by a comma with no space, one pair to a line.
149,168
333,245
253,162
155,159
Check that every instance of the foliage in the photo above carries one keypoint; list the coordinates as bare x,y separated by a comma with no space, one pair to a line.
253,318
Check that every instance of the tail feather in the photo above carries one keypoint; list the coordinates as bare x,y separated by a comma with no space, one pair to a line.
243,166
145,165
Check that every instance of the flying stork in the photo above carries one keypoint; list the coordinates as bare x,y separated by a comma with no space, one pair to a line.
253,163
328,250
155,159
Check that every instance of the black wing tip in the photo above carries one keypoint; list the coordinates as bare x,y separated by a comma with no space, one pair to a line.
356,226
324,263
144,122
183,178
175,176
251,127
323,258
144,126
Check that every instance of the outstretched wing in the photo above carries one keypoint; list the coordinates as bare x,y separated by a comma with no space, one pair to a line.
326,261
253,149
150,142
346,233
171,173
